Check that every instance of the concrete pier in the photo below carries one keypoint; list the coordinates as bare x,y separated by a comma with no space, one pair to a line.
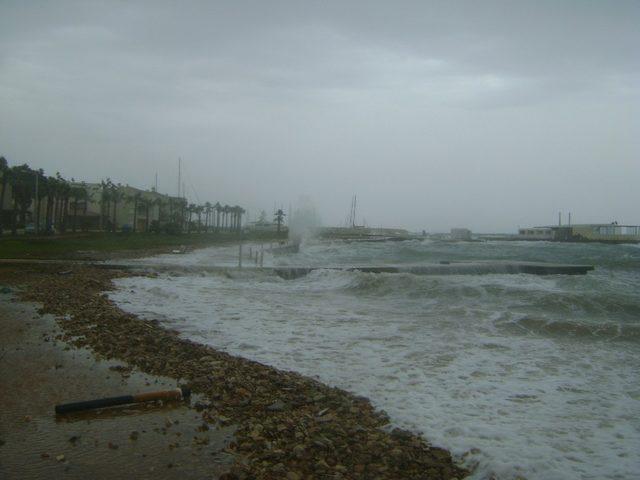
453,268
442,268
448,268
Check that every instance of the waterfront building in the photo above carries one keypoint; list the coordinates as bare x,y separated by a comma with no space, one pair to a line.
588,232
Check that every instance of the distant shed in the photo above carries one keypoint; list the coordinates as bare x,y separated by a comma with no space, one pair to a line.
463,234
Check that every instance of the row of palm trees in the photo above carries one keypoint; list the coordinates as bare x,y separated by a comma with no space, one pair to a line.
216,217
52,197
63,204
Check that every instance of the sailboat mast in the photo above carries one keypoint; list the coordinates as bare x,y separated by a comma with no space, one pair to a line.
355,201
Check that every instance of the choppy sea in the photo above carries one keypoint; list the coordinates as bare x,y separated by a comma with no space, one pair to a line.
517,375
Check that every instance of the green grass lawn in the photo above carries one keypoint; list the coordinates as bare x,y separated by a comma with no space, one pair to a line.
78,245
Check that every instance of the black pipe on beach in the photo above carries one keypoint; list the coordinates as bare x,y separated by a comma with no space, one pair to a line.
175,394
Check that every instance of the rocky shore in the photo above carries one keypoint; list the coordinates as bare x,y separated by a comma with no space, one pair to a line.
288,426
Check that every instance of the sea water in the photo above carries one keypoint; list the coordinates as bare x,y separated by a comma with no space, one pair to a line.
517,375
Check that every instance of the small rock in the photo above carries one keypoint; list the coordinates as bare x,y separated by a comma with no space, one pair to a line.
203,428
228,476
44,455
199,406
133,435
74,439
298,450
276,406
113,446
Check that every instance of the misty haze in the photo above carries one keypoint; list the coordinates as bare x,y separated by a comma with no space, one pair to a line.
319,239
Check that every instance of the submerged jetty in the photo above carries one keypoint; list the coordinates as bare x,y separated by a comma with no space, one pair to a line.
443,268
451,268
292,272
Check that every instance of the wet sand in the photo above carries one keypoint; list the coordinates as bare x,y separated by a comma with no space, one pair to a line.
39,370
288,426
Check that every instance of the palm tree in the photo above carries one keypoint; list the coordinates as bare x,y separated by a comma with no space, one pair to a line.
117,195
6,172
183,212
43,189
279,218
191,208
237,212
241,211
51,186
135,199
80,195
105,203
226,210
218,208
207,210
198,211
64,194
22,192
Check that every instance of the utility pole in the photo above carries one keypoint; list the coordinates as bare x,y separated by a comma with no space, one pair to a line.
156,183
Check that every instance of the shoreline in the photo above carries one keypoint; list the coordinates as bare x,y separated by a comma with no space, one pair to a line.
289,426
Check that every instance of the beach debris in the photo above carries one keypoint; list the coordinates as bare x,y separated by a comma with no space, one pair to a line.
133,436
60,458
44,455
175,394
113,446
74,439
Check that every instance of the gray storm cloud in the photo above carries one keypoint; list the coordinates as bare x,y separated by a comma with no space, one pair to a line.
488,115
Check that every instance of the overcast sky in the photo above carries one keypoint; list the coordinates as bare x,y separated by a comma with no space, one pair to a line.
487,115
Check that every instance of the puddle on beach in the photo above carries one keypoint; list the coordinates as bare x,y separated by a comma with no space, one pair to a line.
152,440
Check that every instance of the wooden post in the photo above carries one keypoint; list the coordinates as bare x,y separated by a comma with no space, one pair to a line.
176,394
240,256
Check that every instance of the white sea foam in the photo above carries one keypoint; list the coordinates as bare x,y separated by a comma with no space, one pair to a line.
442,355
